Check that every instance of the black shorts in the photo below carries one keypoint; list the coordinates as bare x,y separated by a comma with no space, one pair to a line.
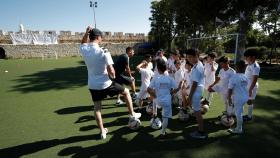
114,89
121,79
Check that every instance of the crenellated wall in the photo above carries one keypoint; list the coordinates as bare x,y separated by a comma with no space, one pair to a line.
59,50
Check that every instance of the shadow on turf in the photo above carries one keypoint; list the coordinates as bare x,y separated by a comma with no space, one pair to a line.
78,109
143,143
58,78
55,79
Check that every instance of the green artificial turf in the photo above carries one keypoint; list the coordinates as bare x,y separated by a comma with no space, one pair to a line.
46,111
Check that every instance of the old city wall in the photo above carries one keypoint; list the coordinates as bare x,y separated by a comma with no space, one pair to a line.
58,50
68,44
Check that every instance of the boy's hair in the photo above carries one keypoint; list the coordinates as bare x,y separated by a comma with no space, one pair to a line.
147,57
240,66
128,49
145,63
192,52
187,62
161,65
94,33
212,55
250,53
223,59
177,62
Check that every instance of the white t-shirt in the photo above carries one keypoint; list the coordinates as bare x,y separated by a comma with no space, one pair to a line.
183,63
179,76
225,75
146,75
150,66
156,73
238,83
251,71
162,85
96,61
170,62
197,75
209,74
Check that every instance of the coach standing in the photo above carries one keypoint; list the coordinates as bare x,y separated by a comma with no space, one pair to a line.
100,66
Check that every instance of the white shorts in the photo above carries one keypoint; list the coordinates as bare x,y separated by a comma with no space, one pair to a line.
196,99
217,88
238,107
143,94
166,109
254,93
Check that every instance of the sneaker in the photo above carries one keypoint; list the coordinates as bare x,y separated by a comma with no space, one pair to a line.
137,101
235,131
103,134
246,118
199,135
119,102
163,136
136,115
133,96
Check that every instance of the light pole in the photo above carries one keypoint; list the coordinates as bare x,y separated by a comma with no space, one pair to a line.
93,4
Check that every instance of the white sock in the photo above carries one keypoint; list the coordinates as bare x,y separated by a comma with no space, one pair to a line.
239,125
229,110
250,110
209,97
164,125
154,107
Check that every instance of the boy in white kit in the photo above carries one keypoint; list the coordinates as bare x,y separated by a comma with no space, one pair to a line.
146,75
161,88
186,86
221,83
179,77
238,95
196,84
252,73
210,69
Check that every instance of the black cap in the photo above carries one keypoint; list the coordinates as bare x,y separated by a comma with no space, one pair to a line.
95,32
250,53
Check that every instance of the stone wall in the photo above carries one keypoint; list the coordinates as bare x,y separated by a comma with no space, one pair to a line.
58,50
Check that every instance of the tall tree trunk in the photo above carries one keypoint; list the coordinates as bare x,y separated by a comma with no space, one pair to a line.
243,29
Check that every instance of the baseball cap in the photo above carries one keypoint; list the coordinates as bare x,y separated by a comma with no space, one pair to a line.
95,32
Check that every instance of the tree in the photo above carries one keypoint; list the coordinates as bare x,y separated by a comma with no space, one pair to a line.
162,23
269,20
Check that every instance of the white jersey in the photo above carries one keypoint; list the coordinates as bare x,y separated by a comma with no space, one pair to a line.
251,71
146,75
209,73
224,76
96,60
183,63
156,73
238,83
187,80
170,63
179,76
197,75
150,66
162,85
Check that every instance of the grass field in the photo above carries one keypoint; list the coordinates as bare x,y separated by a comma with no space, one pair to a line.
46,111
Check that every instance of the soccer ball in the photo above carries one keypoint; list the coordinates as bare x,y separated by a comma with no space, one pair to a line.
204,109
155,123
227,121
183,115
149,109
134,123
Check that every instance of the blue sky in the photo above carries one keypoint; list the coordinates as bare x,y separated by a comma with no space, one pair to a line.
130,16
